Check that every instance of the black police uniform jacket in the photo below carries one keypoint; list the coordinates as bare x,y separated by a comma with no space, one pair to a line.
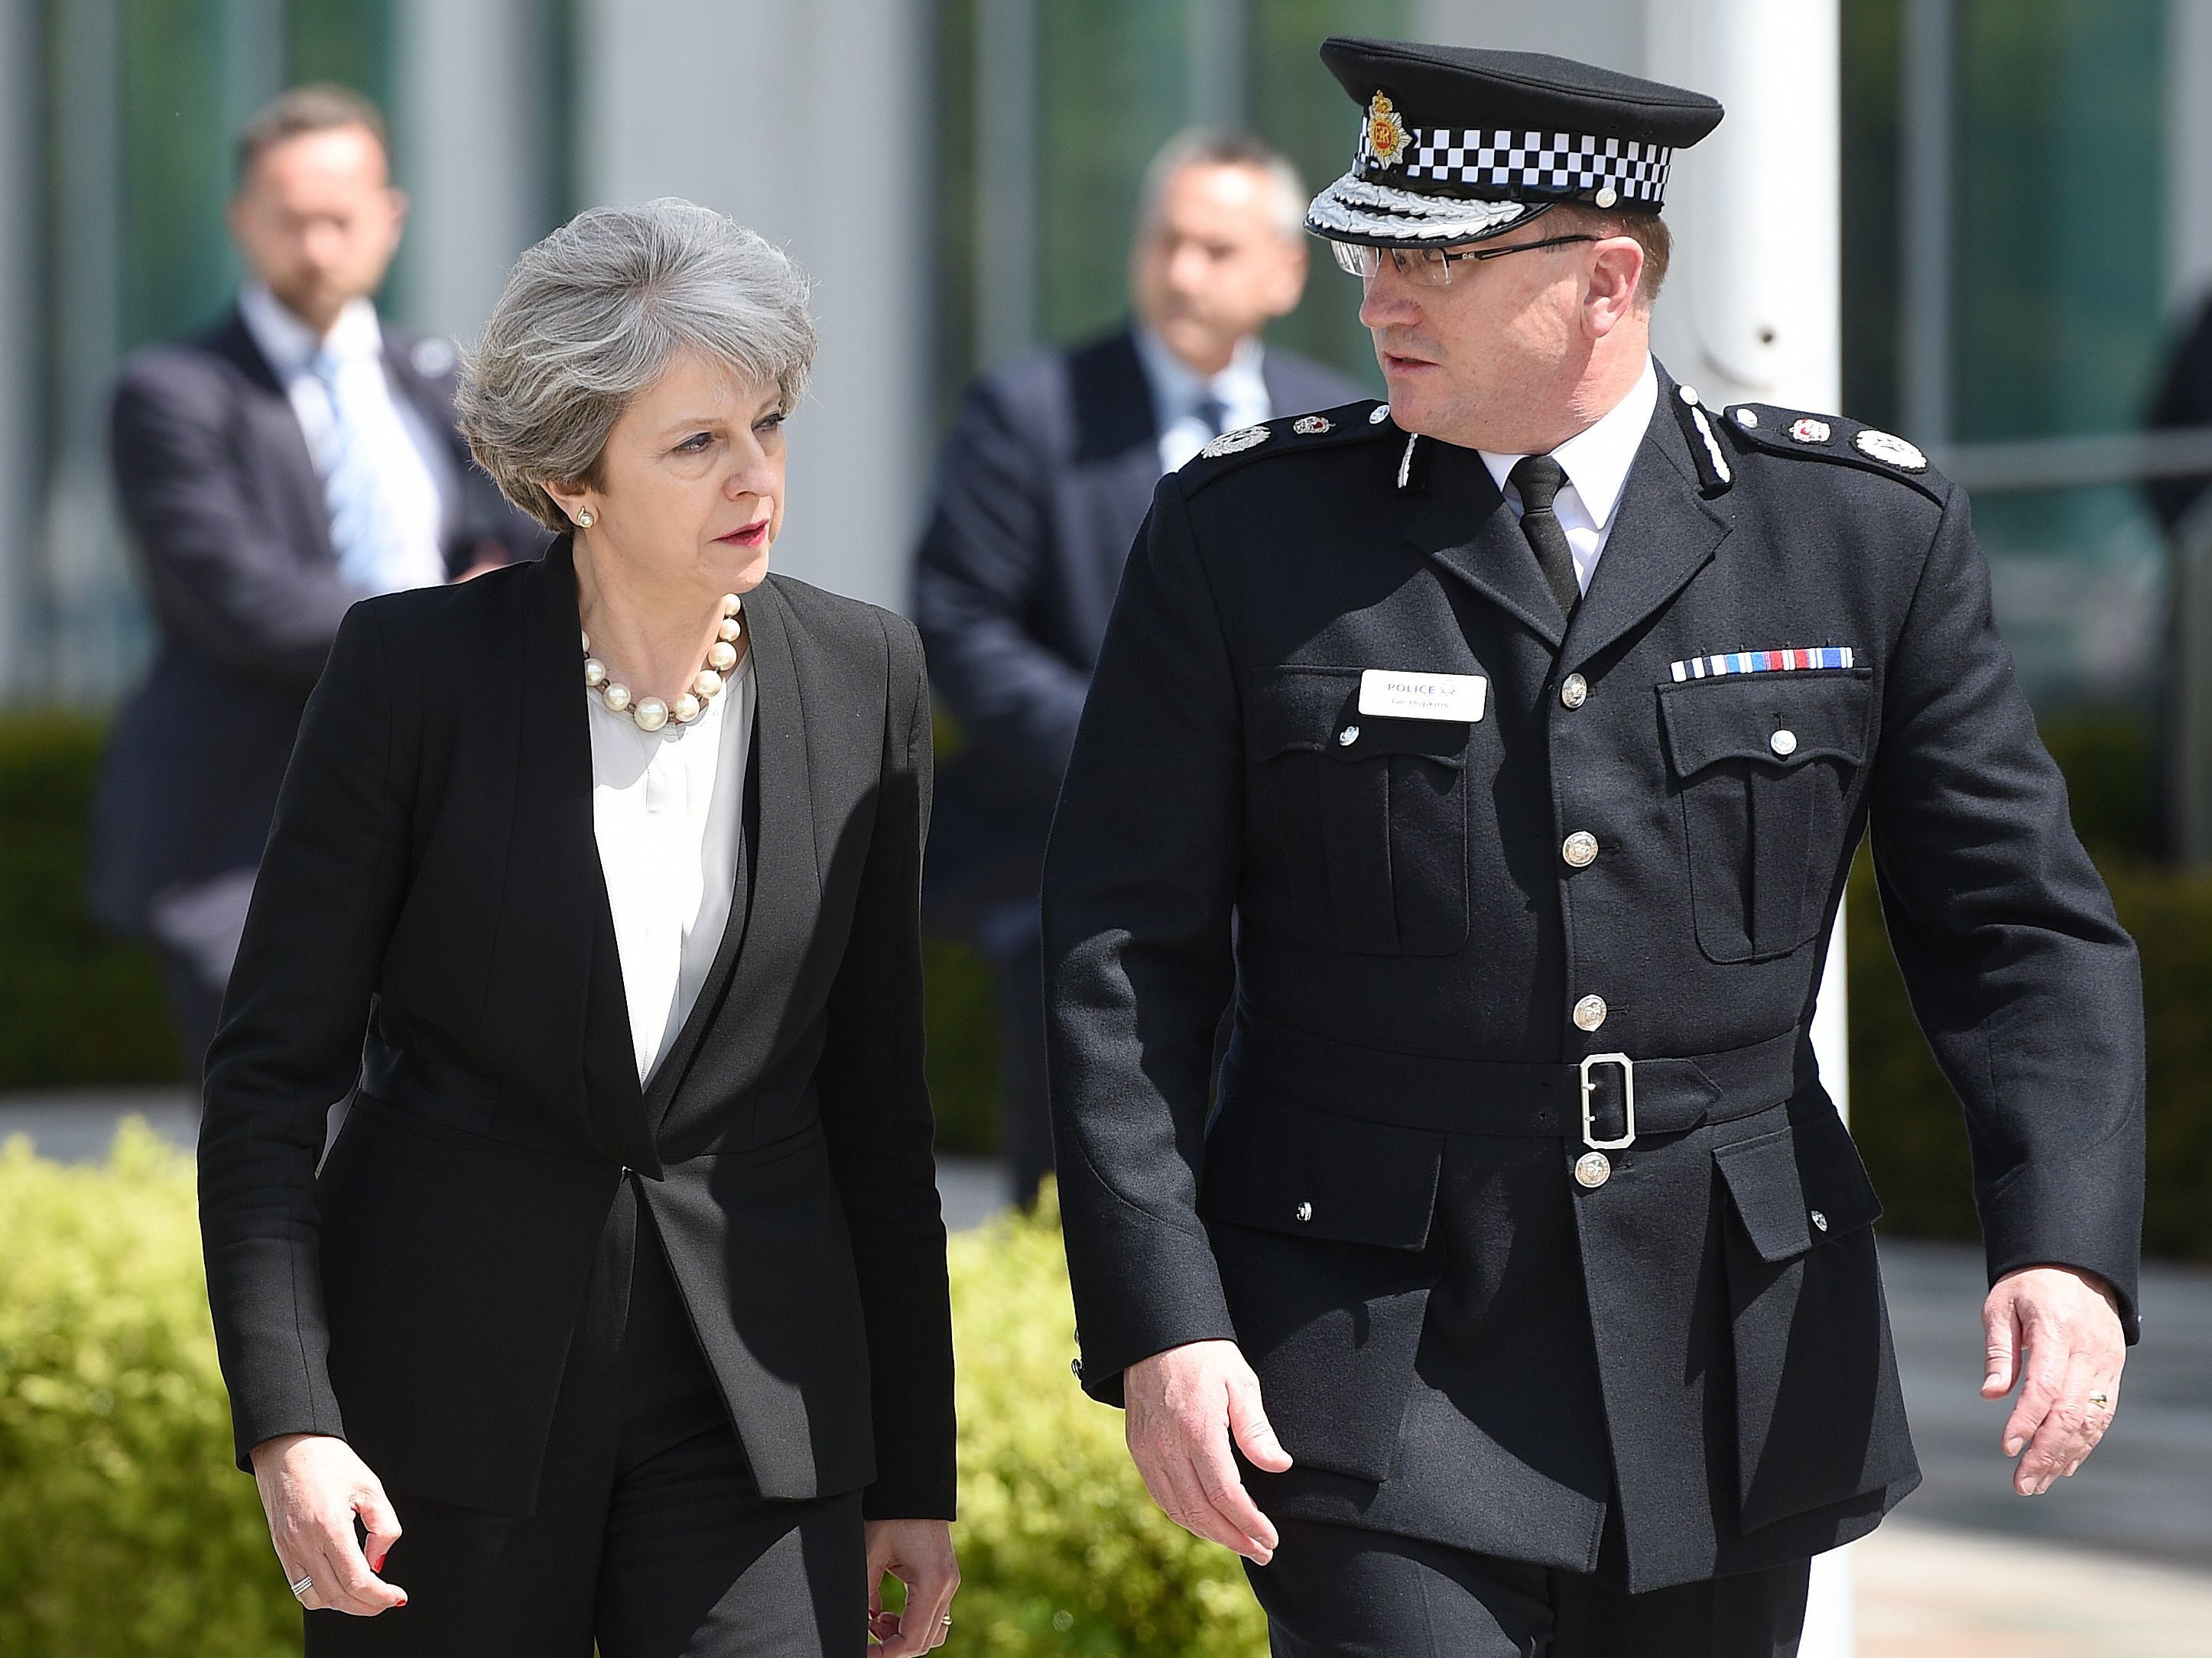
1457,1339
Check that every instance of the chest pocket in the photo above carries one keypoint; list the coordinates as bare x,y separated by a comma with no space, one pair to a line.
1371,813
1764,765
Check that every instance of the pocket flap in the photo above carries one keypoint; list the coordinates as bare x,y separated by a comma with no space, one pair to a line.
1285,1169
1762,1178
1298,708
1835,1180
1444,741
1799,1186
1781,720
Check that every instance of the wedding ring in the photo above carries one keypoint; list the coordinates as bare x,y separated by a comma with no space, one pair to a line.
301,1589
2102,1401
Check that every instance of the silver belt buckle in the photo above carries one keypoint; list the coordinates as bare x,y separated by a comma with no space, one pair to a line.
1627,1100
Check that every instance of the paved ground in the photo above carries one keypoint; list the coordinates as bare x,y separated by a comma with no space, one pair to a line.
2116,1563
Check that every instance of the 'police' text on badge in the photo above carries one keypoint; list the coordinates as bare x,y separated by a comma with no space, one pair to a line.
1390,693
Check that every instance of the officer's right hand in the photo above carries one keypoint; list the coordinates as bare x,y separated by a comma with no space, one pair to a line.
1183,1406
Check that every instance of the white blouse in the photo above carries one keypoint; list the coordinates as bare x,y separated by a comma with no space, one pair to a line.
668,808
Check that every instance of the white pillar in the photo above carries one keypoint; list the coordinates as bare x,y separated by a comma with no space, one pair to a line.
2189,152
808,123
22,427
473,136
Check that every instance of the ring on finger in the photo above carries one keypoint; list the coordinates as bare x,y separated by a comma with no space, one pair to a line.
300,1588
2101,1399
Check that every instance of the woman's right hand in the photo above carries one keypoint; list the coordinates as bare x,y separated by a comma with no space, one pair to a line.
313,1485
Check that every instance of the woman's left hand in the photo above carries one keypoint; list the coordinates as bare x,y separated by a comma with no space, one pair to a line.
918,1553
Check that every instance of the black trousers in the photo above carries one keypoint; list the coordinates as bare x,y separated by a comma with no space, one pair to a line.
1012,940
649,1537
1336,1592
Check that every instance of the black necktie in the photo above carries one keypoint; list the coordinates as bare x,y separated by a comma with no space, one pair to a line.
1540,479
1214,413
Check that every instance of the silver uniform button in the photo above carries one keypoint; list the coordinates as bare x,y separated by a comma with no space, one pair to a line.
1574,690
1305,1211
1347,737
1589,1013
1784,743
1579,849
1820,1221
1593,1169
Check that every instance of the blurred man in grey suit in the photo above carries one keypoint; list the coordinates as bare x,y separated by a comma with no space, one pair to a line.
1045,480
298,457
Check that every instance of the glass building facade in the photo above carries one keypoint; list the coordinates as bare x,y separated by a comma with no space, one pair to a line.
2023,234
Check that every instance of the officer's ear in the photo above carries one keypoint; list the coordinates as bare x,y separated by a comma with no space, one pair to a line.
1611,296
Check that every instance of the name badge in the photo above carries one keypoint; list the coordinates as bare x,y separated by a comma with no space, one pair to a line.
1386,693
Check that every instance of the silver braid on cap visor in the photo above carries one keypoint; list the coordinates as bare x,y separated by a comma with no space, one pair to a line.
1353,207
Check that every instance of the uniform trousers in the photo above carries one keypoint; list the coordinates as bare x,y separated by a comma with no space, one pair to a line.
1338,1592
649,1537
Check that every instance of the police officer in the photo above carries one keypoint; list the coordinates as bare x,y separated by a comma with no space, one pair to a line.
1505,747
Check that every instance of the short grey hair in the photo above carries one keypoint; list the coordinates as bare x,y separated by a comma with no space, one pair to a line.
1221,147
593,314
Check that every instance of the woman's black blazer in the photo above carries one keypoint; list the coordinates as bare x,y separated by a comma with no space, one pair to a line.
433,884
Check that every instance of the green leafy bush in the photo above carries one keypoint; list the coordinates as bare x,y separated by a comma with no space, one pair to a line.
1061,1551
125,1530
76,1006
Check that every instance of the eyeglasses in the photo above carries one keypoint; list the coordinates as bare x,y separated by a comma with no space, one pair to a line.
1429,267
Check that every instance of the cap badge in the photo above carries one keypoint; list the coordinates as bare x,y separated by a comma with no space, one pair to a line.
1386,137
1809,430
1311,425
1892,451
1230,443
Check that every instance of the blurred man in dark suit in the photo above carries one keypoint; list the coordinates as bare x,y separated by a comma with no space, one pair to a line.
300,456
1045,482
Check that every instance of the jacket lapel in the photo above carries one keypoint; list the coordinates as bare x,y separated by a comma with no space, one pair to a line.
769,929
1465,524
285,441
1663,533
555,929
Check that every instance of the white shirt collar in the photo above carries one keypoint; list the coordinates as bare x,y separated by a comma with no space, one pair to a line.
1177,388
1596,459
291,345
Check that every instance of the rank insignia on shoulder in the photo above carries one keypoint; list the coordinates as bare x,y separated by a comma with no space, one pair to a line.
1308,426
1890,450
1236,442
1809,430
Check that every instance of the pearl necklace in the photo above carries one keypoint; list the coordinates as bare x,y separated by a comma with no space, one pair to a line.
650,714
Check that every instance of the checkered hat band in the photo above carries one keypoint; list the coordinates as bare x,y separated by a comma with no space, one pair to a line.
1487,160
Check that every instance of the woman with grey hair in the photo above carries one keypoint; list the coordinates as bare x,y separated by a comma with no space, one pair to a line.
616,1312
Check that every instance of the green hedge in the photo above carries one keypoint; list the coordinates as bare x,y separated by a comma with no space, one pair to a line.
124,1529
76,1006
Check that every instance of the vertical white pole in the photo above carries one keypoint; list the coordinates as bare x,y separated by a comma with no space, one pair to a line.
474,139
809,124
1757,314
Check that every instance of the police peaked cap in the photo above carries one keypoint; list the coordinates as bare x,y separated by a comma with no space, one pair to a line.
1458,144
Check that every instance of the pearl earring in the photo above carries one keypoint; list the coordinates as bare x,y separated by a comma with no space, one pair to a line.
584,519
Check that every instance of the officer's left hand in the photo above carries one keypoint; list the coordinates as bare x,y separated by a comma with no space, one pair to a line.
2057,1333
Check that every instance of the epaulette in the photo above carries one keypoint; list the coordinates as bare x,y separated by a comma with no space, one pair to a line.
1350,423
1832,438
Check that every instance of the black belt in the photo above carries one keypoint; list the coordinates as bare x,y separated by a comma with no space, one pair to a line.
1605,1100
